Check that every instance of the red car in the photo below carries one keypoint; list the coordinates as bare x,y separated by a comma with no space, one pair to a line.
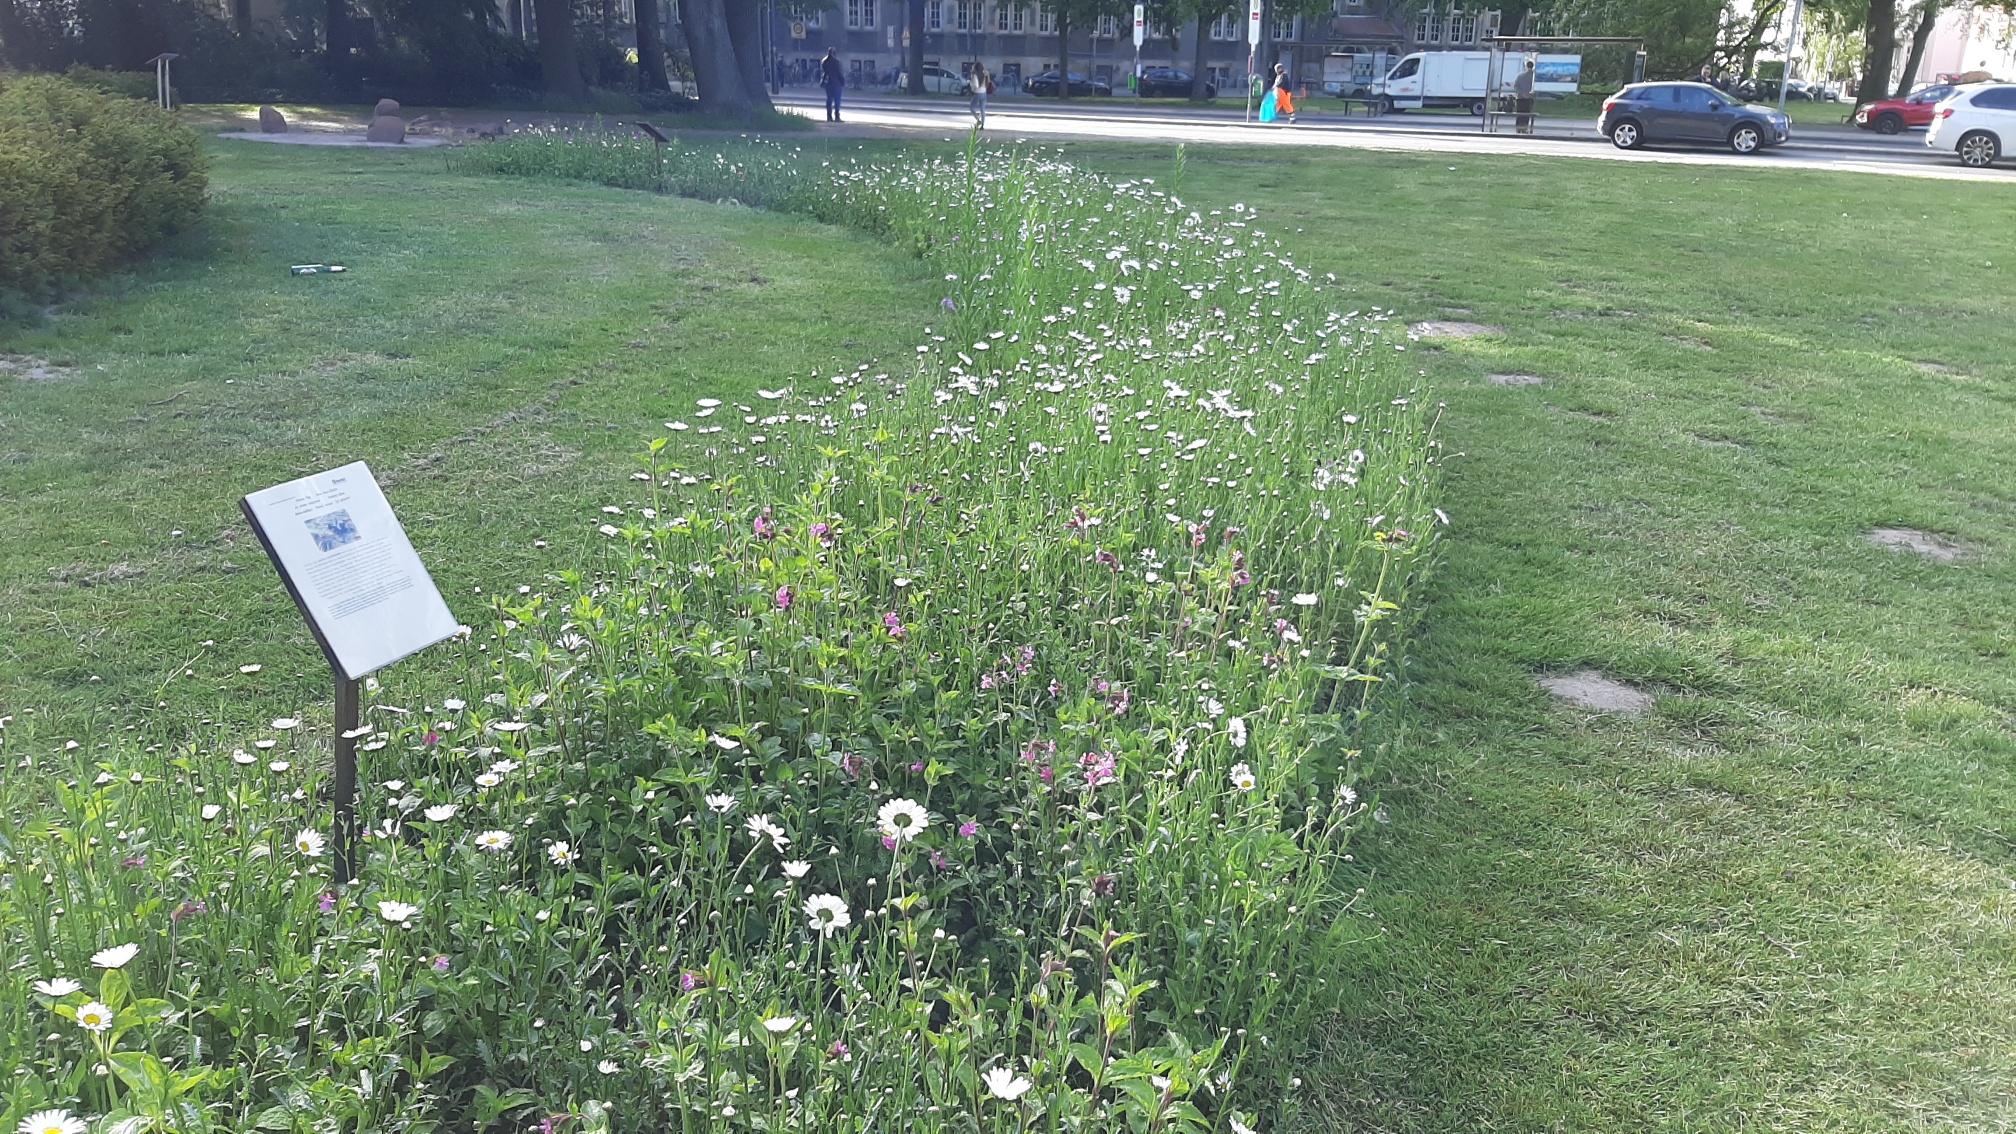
1894,115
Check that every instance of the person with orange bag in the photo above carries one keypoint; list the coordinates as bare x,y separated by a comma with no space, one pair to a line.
1284,103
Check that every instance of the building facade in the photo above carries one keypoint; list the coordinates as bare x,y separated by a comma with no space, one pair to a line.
1020,40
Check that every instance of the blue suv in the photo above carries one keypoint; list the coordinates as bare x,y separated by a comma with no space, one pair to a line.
1689,112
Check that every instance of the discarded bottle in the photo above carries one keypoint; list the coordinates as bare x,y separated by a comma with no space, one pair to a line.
315,269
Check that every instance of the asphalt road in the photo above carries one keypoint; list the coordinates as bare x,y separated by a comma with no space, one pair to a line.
1839,148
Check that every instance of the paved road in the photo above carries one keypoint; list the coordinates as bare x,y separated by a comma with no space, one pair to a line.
1812,147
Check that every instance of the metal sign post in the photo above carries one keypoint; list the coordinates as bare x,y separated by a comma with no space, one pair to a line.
1140,34
1252,48
164,89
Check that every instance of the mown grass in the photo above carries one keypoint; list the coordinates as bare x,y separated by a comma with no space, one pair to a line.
1782,901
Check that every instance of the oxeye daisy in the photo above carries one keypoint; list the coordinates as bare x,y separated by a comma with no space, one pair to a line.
828,913
562,854
442,812
1242,777
902,819
496,842
60,987
1005,1084
398,911
115,957
94,1017
309,842
52,1122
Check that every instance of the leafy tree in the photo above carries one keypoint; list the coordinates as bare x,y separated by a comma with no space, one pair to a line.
559,69
1074,13
715,68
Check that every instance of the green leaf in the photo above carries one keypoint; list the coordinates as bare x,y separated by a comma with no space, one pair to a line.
114,989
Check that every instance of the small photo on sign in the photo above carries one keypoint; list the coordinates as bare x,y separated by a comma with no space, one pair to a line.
332,530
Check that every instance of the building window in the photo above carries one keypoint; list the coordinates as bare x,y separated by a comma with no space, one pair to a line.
1219,76
1428,29
1228,27
1462,27
1107,28
861,13
934,15
1008,18
1046,20
1284,27
966,16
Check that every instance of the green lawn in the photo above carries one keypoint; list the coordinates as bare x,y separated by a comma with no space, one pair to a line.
1784,900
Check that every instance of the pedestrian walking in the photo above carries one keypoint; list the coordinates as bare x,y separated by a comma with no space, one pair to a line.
1284,102
981,83
1522,98
835,81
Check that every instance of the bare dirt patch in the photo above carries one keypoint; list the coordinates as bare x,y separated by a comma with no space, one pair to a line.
1937,548
31,369
1589,689
81,575
1515,379
1451,329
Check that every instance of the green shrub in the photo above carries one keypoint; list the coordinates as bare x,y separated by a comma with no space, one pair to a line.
125,84
87,180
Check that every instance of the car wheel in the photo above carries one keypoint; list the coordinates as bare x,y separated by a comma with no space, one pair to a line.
1626,135
1477,108
1979,149
1746,139
1889,122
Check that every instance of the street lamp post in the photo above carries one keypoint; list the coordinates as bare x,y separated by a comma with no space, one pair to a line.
1791,44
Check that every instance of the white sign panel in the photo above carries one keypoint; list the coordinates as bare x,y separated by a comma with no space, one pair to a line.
349,565
1253,22
1140,24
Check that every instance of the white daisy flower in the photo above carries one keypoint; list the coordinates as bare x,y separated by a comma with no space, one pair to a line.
278,766
1304,599
489,780
212,811
562,854
454,704
760,826
608,1067
1004,1084
54,1121
778,1025
902,819
504,767
398,911
441,812
240,756
797,868
115,957
59,988
828,913
95,1017
285,723
250,668
309,842
720,804
1237,728
1242,777
496,842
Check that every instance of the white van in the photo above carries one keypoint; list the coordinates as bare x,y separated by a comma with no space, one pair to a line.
1460,79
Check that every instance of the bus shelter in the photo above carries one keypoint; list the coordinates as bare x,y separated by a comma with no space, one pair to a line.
1508,52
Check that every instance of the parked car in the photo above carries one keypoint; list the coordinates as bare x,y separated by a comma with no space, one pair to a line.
937,80
1045,85
1689,112
1896,115
1168,82
1978,123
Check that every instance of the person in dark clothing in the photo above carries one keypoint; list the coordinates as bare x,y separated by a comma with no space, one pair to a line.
1522,98
835,81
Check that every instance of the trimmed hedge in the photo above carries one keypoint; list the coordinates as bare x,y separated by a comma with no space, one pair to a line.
87,180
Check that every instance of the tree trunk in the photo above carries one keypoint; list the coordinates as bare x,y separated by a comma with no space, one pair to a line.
1928,15
714,66
1197,49
241,16
559,73
745,37
1063,53
650,48
1878,52
913,59
336,37
1264,52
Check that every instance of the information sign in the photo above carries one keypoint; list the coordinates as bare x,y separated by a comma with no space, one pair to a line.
1140,25
1253,22
351,569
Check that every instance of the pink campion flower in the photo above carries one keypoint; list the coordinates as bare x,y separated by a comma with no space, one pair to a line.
1198,533
918,766
187,910
763,528
888,842
1056,688
688,982
1028,659
441,963
1046,773
1102,886
852,764
1100,768
327,902
823,532
1102,686
784,597
1120,703
1079,521
987,680
968,829
894,625
1108,559
133,862
839,1050
431,738
938,859
947,304
1232,532
1242,578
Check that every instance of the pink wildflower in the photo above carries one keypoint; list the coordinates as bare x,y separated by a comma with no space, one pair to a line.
894,625
1107,558
784,597
763,528
1100,768
1056,688
327,902
968,829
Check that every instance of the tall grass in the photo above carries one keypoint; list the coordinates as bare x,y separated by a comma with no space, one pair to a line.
970,745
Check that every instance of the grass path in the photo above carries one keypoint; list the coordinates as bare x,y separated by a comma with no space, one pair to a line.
1782,901
496,350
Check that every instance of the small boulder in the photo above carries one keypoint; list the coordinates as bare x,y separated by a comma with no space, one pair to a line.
271,121
385,106
386,128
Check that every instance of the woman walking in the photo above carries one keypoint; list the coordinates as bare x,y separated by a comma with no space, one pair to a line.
982,85
1284,103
